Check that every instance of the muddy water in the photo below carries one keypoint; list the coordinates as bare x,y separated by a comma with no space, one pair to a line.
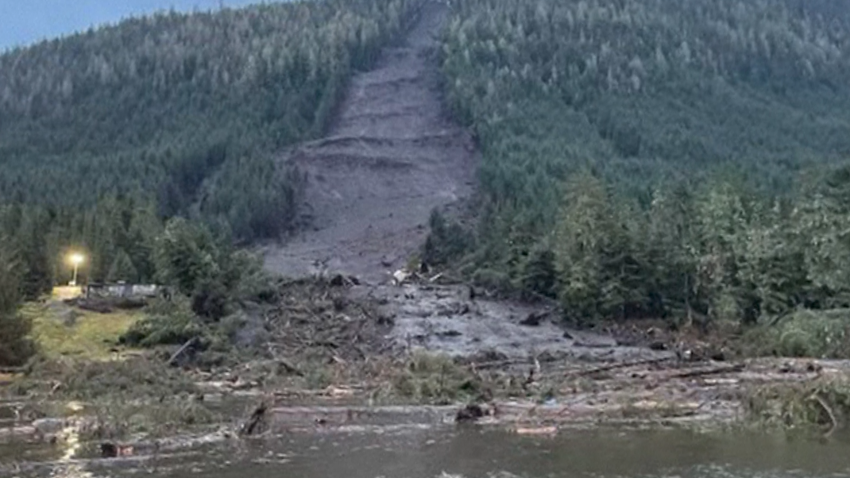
442,452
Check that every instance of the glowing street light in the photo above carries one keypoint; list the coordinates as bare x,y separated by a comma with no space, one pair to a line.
76,259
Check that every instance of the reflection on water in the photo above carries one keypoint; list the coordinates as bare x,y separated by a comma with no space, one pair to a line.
67,467
473,453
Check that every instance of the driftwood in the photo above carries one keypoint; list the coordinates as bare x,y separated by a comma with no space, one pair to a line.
711,371
500,363
289,367
255,422
825,406
617,366
182,350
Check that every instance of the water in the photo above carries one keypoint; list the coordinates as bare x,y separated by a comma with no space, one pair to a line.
437,452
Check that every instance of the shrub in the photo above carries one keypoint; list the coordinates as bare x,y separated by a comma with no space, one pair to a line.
806,333
431,378
447,241
166,323
15,346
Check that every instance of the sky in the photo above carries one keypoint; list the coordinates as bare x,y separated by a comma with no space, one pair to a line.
23,22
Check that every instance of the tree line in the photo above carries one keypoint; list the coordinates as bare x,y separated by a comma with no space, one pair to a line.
656,158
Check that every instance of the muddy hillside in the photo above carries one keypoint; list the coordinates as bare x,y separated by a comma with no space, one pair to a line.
391,156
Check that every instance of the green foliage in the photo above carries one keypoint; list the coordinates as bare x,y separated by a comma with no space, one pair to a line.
167,323
116,236
435,379
185,256
184,110
213,283
492,279
446,241
643,91
645,151
210,271
716,252
539,272
15,346
107,134
136,379
804,333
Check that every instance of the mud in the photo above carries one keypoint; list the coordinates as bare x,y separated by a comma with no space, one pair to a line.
446,319
391,156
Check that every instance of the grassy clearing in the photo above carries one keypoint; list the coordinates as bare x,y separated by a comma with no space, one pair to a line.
63,331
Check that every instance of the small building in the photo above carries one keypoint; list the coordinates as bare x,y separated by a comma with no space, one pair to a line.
123,291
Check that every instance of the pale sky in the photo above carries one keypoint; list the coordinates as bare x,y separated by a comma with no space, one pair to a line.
23,22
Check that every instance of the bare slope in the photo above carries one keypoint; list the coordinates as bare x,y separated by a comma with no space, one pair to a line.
391,156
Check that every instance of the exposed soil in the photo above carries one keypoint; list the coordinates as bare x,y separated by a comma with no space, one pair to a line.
391,156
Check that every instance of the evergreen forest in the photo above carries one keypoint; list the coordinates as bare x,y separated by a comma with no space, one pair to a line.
183,109
658,158
107,133
160,133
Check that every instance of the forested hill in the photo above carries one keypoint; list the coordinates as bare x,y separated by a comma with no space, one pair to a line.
656,86
107,134
645,157
183,109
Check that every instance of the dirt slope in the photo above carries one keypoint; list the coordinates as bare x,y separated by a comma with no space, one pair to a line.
391,156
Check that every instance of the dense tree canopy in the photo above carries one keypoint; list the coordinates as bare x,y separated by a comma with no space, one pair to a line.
183,109
644,158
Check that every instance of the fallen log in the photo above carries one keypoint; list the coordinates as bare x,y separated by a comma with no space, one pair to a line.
620,365
254,424
500,363
711,371
287,366
182,350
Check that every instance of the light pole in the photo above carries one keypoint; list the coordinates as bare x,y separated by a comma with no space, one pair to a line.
76,259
